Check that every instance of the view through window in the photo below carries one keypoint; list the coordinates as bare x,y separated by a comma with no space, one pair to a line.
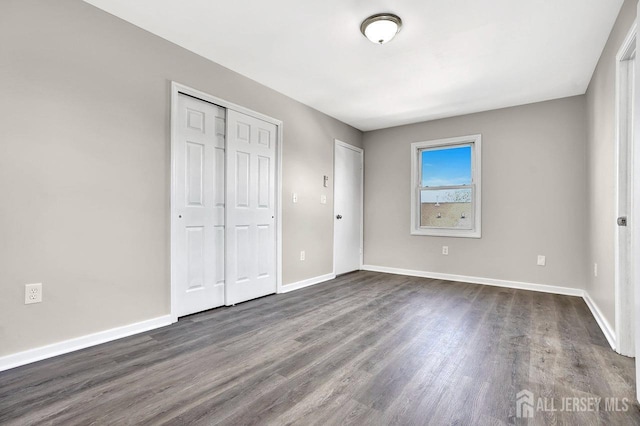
446,193
446,187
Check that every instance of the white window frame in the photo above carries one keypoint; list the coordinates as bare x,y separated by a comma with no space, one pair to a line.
476,186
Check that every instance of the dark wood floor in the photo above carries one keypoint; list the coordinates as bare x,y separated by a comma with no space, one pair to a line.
366,348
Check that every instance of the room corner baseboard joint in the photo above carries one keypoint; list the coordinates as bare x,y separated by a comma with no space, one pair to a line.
604,325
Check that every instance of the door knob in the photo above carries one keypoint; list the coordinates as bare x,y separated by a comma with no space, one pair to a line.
339,216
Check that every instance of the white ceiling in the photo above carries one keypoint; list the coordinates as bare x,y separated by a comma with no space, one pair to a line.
452,57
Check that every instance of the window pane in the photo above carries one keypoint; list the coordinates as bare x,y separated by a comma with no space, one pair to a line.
446,208
446,166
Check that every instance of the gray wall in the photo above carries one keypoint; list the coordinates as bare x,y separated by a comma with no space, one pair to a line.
84,169
533,189
602,167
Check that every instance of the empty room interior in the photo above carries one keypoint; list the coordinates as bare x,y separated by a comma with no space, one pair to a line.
331,212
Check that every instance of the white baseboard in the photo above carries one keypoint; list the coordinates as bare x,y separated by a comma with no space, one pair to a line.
601,320
306,283
37,354
606,328
568,291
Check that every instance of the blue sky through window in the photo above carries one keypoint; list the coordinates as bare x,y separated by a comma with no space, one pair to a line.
446,166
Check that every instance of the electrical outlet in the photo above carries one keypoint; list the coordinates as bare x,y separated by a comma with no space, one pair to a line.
32,293
294,197
595,269
323,199
302,255
445,250
542,260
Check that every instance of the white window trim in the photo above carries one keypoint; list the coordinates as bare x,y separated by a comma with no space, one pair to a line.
476,176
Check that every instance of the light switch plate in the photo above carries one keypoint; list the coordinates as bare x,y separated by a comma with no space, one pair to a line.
542,260
323,199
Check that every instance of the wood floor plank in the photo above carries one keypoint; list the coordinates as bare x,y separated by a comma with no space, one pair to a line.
434,382
364,349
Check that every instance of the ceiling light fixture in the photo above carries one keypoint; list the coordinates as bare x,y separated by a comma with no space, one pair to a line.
381,28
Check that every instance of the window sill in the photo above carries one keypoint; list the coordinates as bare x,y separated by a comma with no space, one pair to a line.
446,233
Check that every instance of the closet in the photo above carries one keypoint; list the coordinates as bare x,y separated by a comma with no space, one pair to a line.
223,246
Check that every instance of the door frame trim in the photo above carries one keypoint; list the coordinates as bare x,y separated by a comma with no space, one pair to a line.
624,303
346,145
176,89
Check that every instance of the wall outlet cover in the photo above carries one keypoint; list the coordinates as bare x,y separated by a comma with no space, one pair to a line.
32,293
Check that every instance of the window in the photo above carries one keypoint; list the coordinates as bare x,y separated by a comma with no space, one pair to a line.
445,179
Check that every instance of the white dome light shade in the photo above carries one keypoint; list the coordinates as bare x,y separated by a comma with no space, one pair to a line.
381,28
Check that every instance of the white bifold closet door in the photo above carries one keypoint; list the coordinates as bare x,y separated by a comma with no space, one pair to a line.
250,208
199,206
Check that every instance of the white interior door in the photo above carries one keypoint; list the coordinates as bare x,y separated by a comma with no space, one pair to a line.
198,222
250,214
625,338
635,244
348,199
